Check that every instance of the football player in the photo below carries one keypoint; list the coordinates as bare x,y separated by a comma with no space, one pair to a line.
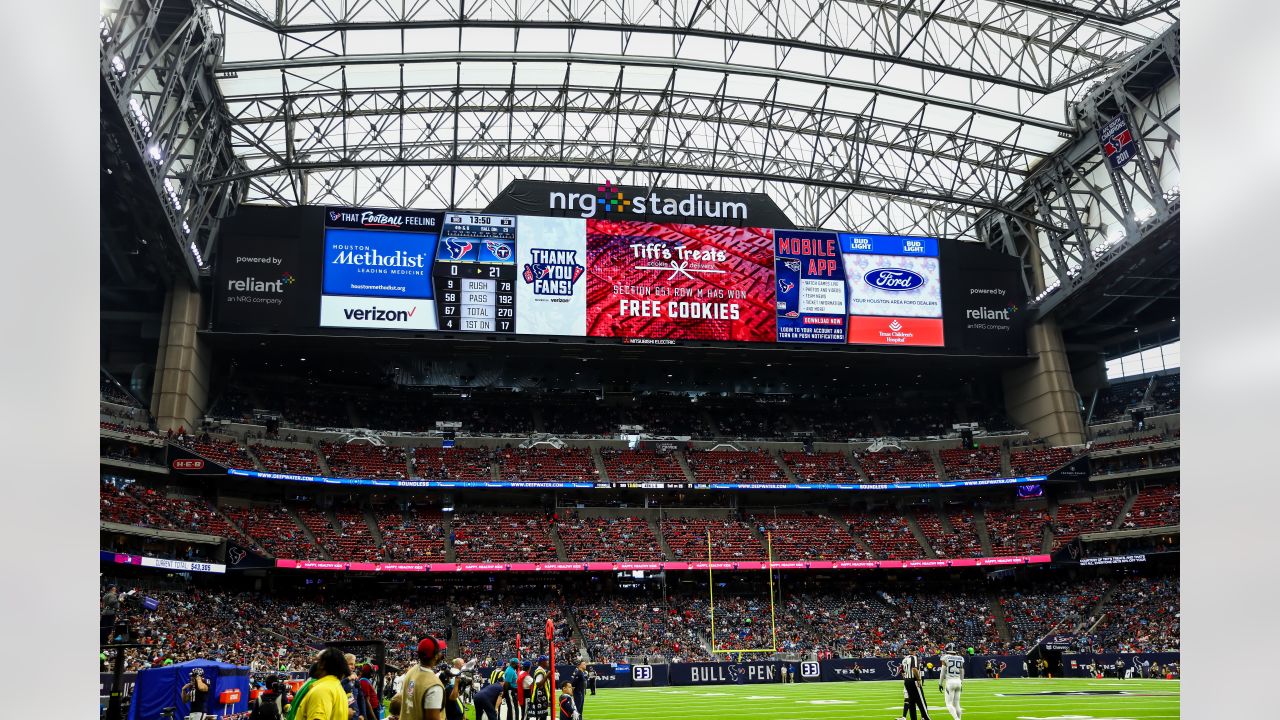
951,679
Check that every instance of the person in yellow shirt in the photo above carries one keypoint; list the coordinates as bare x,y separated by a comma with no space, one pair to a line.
326,700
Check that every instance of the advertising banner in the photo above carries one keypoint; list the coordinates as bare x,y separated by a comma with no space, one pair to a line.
1076,664
377,271
810,287
726,673
266,275
680,282
895,290
643,204
551,293
985,301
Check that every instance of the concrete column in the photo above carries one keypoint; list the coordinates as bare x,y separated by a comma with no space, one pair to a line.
181,391
1040,395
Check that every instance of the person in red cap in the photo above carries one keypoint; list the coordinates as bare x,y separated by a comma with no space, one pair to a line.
422,693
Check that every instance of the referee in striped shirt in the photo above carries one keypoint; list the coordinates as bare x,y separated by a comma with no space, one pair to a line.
912,695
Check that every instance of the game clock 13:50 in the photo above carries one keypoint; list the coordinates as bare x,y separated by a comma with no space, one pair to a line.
475,273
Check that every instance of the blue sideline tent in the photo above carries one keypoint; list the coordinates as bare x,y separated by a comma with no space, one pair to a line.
159,688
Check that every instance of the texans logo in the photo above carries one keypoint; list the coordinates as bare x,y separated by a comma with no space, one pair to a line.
333,216
502,251
457,247
786,286
235,554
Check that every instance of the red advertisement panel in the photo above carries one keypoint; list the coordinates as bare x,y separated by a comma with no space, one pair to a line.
679,282
925,332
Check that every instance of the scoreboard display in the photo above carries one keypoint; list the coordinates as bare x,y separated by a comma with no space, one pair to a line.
474,273
614,277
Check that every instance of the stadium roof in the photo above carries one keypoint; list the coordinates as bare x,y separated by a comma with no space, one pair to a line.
892,116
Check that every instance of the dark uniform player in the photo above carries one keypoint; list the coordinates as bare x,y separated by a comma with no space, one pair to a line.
568,711
912,696
488,698
540,701
579,682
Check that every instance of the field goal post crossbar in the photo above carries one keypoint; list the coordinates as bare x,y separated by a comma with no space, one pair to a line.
711,590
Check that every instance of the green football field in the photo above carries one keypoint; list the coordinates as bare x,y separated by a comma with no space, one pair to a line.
1074,699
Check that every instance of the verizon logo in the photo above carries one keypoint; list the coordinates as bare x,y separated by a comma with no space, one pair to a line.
379,315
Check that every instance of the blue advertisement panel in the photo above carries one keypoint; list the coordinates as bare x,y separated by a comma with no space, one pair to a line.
1135,665
810,282
378,263
845,669
726,673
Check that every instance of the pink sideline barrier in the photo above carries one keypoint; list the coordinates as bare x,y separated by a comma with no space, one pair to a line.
656,566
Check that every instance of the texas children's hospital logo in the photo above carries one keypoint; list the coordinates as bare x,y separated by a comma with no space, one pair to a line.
553,271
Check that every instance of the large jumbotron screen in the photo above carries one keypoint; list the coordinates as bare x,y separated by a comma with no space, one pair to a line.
633,281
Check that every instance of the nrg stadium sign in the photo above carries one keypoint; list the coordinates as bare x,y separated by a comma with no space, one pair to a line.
605,200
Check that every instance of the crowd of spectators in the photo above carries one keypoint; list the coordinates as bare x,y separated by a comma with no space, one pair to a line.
283,459
616,628
497,537
608,539
362,460
546,465
455,463
1114,401
641,466
1166,394
1136,461
971,464
1016,530
1038,461
111,391
808,536
1143,615
821,467
1033,611
414,534
961,542
488,624
898,466
749,467
1091,516
1155,506
887,533
729,539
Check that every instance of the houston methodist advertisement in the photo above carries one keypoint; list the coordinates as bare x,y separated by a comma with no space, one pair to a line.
615,276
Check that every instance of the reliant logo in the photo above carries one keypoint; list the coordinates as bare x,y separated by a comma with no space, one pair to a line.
377,314
372,258
553,271
986,313
252,284
894,279
609,199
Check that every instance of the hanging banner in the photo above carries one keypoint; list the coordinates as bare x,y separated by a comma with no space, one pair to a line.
1117,141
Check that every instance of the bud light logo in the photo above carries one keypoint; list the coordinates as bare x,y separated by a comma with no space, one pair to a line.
894,279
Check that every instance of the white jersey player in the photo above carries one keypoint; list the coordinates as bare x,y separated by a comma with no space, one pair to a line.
951,679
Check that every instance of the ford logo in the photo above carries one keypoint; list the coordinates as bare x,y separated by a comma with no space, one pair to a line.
894,279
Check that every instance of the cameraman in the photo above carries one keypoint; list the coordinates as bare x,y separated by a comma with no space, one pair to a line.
454,680
270,704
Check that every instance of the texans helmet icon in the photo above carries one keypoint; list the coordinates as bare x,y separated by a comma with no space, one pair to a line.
786,286
457,247
500,250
